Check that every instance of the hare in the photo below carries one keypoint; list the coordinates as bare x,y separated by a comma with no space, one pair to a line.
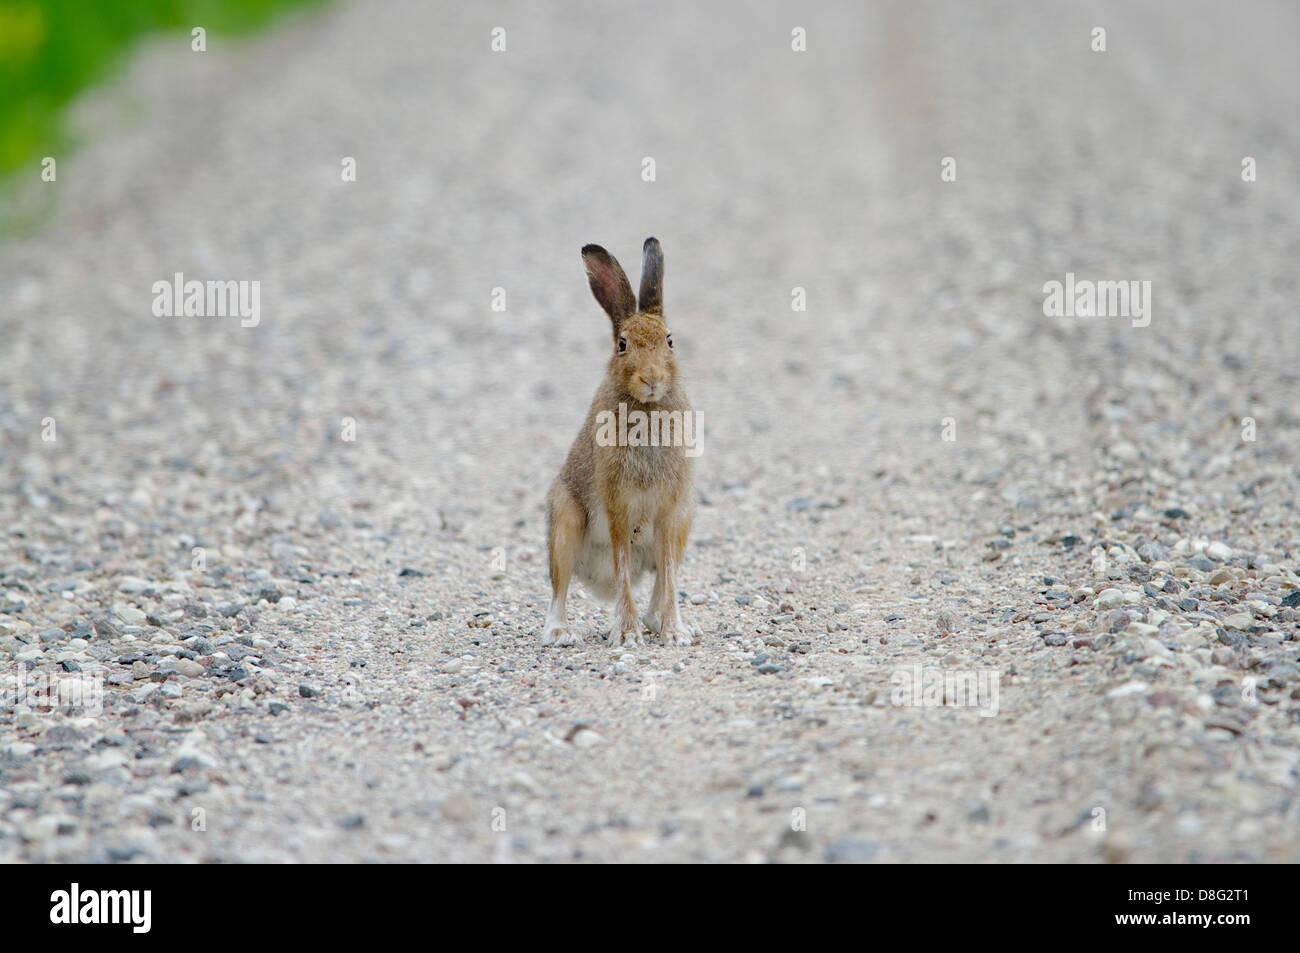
623,507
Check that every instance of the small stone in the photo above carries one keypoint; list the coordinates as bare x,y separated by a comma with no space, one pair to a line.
1127,689
1240,621
309,691
40,829
1151,552
1110,599
1219,551
458,808
129,614
851,850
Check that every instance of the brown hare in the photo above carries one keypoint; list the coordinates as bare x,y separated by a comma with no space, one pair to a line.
622,504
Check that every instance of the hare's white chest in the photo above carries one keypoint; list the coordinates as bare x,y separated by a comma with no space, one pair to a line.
595,563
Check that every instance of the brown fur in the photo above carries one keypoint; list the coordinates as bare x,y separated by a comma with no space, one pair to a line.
615,511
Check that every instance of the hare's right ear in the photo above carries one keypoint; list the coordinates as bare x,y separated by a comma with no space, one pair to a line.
609,284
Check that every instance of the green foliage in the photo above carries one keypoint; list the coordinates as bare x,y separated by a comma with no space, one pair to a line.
51,50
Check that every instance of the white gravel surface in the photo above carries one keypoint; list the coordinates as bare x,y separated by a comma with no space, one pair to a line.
353,672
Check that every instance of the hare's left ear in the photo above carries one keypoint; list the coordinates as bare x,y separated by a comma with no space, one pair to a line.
652,278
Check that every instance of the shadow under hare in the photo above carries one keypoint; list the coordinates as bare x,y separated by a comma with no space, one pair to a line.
623,502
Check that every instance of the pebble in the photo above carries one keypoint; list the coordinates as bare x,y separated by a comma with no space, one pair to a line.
1152,551
1219,551
586,738
40,828
129,614
1127,689
19,750
851,850
190,668
1110,599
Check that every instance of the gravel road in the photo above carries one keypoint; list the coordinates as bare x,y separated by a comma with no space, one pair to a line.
975,583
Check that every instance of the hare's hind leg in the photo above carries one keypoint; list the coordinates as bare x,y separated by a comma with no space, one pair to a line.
566,524
671,532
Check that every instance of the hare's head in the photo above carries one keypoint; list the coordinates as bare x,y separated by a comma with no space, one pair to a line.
643,364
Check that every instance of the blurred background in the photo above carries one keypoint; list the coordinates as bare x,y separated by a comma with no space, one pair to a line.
52,50
797,155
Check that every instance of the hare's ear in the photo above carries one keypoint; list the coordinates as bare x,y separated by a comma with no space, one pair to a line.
609,284
652,277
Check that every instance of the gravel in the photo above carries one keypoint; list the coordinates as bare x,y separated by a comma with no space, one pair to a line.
301,566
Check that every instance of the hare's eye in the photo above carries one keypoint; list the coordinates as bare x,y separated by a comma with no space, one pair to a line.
670,340
622,345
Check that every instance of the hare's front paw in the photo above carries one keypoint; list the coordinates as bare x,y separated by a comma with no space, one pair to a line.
560,636
678,633
652,621
630,635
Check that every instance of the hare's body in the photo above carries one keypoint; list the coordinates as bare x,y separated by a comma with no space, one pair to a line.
622,508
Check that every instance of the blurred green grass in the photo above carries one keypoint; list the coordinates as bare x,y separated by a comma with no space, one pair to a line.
52,50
